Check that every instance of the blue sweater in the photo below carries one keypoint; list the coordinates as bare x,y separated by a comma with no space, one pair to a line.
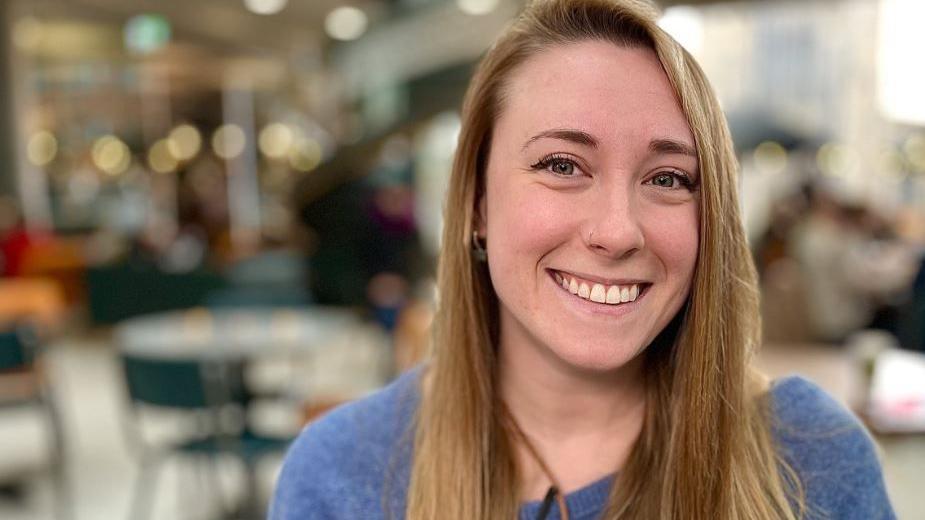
355,462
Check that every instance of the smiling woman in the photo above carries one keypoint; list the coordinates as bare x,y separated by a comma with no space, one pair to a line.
598,315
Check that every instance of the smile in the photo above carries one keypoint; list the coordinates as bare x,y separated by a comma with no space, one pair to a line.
597,292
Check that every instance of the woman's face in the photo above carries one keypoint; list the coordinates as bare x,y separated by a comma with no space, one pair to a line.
591,187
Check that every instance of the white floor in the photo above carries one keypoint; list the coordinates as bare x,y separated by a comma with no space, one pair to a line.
101,470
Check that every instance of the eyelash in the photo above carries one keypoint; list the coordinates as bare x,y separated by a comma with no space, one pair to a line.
549,160
682,178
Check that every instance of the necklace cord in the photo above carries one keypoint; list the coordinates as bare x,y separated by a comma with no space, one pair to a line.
555,489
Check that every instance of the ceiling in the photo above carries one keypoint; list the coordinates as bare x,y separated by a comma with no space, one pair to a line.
227,25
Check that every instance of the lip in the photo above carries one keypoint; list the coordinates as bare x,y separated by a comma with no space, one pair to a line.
599,309
598,279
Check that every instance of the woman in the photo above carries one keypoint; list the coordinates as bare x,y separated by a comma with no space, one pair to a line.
597,315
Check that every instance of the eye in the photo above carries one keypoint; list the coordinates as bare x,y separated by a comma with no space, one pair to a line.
672,180
558,165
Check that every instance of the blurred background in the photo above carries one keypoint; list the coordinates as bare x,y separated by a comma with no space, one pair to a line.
220,218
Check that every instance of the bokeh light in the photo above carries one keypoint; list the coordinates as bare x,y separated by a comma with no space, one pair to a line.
477,7
184,142
111,155
770,157
837,160
275,140
160,159
228,141
42,148
146,33
345,23
306,155
265,7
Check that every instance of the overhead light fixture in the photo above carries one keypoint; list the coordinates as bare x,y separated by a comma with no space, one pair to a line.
265,7
345,23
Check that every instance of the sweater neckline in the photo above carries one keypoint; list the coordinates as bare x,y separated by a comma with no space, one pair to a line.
581,503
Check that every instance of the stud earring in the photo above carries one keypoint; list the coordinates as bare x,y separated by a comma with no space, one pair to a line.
478,248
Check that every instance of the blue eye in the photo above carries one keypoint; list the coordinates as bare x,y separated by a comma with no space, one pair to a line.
672,180
557,165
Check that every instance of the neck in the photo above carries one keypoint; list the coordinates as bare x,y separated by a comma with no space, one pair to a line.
582,423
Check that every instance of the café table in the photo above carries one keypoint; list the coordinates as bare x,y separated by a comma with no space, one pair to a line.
241,334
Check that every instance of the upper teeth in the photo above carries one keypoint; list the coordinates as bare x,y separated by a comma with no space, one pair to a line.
611,294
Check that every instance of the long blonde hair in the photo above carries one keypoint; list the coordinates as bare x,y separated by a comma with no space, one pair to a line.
705,450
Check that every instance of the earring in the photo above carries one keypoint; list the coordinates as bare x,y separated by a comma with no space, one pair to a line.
478,249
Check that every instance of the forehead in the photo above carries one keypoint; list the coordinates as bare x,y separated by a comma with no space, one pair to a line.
615,93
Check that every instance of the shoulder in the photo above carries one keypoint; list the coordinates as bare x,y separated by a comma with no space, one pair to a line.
341,466
831,451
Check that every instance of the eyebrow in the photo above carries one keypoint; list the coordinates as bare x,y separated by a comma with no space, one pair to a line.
658,146
671,146
565,134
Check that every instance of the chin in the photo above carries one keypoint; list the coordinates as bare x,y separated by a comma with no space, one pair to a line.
598,357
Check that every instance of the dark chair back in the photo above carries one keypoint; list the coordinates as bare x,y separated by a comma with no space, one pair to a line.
16,349
184,384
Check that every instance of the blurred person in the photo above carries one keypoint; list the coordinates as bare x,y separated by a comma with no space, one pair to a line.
596,318
783,307
852,268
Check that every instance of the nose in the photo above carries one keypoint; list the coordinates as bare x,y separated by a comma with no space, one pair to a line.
613,227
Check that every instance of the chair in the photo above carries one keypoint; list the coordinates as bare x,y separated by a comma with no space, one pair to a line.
22,384
210,391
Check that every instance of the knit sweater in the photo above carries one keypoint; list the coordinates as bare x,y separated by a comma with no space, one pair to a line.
355,462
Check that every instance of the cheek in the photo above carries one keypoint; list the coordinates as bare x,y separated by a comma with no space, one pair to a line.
675,237
523,220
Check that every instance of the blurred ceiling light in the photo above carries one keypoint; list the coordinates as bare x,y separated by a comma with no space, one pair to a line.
184,142
305,156
228,141
111,155
837,160
146,33
28,33
265,7
345,23
42,148
275,140
477,7
684,24
914,148
160,159
901,40
770,157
